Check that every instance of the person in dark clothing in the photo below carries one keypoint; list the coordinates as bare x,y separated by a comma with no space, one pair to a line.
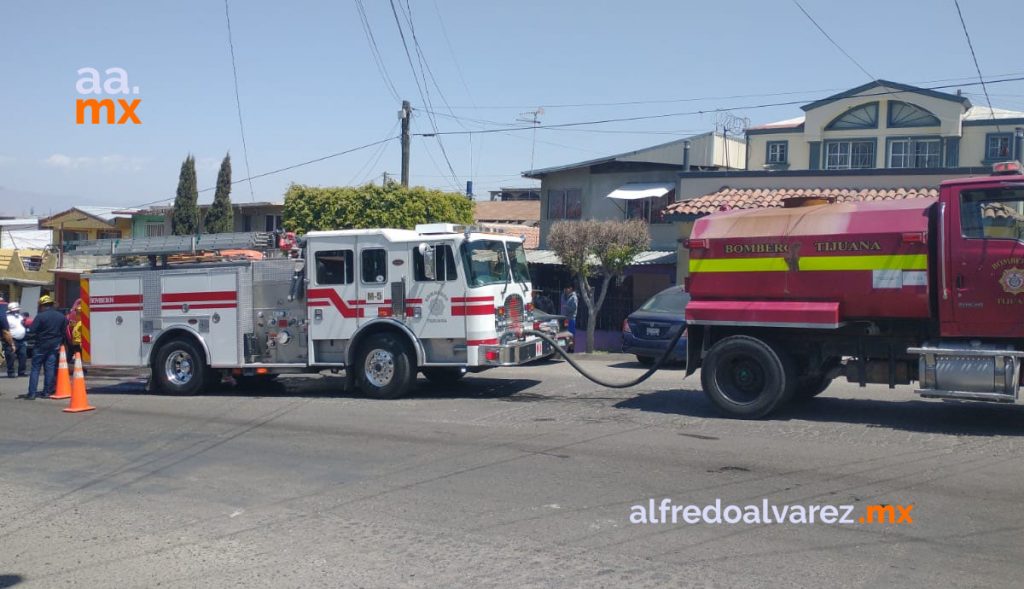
48,330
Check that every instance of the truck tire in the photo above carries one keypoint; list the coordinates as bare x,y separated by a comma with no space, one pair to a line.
747,378
179,368
443,376
385,368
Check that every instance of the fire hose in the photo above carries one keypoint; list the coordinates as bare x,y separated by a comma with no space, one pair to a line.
612,385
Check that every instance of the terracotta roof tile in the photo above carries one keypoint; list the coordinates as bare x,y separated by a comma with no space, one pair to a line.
751,198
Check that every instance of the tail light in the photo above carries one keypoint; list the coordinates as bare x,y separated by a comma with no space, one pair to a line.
625,326
499,311
491,355
536,325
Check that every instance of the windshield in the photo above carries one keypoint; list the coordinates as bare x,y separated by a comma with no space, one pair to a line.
520,270
672,300
485,262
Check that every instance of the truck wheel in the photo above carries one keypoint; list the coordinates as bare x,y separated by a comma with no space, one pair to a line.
179,368
746,378
443,376
385,368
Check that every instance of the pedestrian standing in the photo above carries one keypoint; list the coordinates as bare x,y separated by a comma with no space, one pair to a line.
569,305
47,329
15,323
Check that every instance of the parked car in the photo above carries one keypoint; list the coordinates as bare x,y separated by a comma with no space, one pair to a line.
556,326
648,330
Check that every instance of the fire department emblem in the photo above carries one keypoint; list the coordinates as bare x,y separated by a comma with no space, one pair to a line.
1012,280
437,304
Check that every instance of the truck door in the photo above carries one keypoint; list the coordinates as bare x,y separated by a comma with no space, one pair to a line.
332,298
985,229
433,293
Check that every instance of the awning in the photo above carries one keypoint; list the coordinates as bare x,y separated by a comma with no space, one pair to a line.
635,190
645,258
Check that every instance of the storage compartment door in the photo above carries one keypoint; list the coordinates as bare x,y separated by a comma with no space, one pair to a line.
115,321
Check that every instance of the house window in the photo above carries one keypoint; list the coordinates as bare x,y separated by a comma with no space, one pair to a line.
154,229
778,152
565,204
108,234
375,266
67,235
847,155
274,222
903,114
334,267
864,116
915,153
651,210
998,147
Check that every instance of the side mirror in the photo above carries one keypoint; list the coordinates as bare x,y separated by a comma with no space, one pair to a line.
428,253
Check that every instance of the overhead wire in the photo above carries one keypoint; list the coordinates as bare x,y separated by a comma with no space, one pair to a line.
238,101
279,170
833,41
977,68
375,50
696,112
425,71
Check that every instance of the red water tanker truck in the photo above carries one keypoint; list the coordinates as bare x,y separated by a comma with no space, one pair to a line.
930,290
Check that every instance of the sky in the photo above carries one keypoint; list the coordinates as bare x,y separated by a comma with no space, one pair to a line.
309,85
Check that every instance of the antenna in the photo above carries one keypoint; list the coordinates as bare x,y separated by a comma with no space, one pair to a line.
728,123
535,121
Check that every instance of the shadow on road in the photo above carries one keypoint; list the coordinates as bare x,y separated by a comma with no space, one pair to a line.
471,387
10,580
941,417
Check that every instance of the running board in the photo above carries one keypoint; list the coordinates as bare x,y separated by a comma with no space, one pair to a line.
966,396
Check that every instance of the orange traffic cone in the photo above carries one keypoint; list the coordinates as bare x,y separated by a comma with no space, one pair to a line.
63,377
79,400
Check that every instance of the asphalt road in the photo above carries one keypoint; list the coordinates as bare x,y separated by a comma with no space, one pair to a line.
515,478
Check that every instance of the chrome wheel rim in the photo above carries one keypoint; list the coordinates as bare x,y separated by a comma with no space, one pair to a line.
379,368
179,367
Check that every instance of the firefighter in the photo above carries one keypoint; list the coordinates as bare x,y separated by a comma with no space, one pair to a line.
48,331
19,352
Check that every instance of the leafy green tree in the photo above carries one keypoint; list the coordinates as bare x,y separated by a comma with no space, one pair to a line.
185,218
220,218
316,208
593,250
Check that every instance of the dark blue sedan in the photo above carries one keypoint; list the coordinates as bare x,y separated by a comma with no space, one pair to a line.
648,331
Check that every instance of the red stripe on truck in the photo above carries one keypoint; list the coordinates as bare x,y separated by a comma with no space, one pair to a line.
464,310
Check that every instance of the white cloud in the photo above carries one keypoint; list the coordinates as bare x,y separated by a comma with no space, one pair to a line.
107,163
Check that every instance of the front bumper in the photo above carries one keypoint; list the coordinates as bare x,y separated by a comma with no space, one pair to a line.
515,353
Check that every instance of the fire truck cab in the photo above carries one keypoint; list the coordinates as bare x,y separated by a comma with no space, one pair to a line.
381,304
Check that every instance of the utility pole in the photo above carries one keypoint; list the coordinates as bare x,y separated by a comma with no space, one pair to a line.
405,114
533,120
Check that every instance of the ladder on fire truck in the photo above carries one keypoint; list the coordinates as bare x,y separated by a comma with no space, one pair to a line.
173,244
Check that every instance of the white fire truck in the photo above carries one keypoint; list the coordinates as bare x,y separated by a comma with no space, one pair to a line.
382,304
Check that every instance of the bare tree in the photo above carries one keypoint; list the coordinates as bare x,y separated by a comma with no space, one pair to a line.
597,250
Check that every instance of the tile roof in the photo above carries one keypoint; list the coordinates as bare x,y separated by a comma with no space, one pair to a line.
508,211
530,235
754,198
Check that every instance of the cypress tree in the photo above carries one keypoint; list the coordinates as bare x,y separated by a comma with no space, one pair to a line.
220,219
185,218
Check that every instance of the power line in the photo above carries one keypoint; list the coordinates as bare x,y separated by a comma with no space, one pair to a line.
833,41
238,101
378,59
279,170
693,112
424,72
981,80
374,157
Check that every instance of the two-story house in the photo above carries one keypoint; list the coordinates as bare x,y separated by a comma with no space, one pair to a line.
882,140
